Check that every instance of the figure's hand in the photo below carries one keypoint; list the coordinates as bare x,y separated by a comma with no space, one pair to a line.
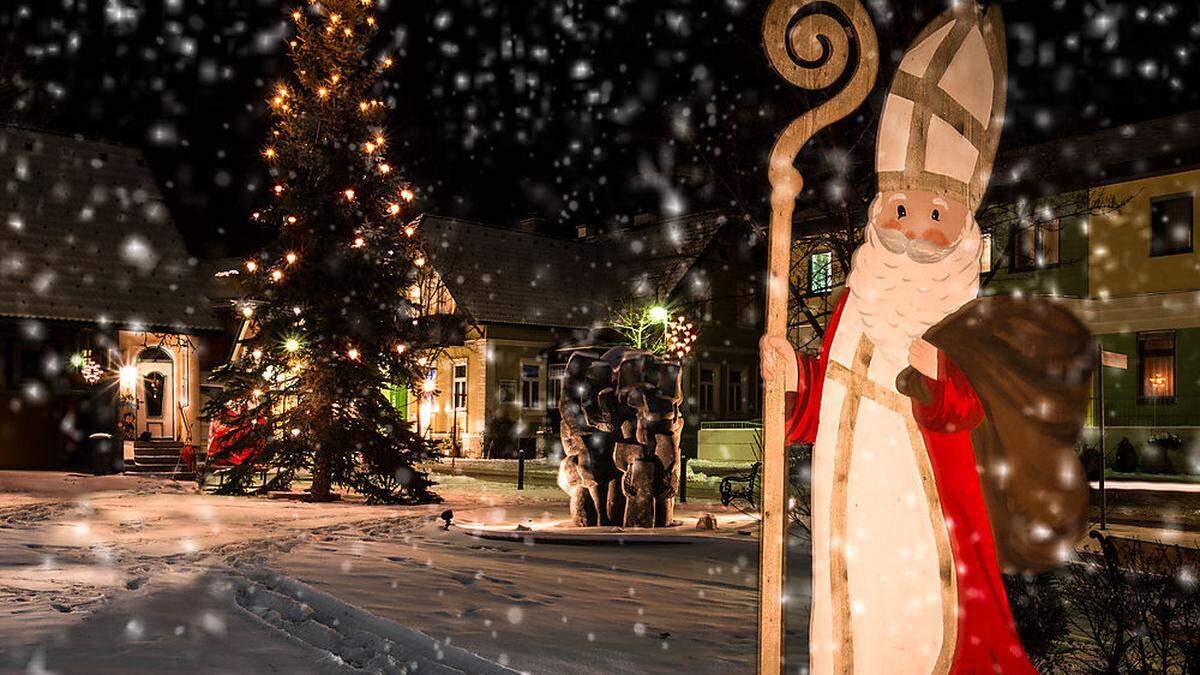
777,359
924,358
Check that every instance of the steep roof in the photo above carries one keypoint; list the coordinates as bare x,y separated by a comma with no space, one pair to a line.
86,237
656,257
1122,152
505,276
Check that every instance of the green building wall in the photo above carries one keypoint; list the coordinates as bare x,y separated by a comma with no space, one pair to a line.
1068,278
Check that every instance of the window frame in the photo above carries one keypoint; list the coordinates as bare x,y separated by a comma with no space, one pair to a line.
535,385
1016,263
737,403
1160,199
1144,337
556,377
713,385
455,381
828,287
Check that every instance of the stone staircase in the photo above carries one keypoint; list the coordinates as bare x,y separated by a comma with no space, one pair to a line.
159,458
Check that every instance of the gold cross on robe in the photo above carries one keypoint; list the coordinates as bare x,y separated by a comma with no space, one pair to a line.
859,386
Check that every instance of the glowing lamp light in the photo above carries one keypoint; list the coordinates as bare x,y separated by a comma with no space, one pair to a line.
349,195
291,345
660,314
347,32
419,262
334,18
247,311
410,230
334,78
322,92
407,195
296,15
78,360
295,432
291,258
359,242
257,354
369,147
127,381
269,153
379,141
278,189
251,266
387,62
352,353
400,349
362,105
393,208
429,386
291,220
276,275
385,168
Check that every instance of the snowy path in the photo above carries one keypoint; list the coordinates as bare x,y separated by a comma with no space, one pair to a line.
121,574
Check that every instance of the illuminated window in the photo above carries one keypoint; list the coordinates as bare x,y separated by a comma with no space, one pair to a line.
820,272
985,254
1171,225
1156,367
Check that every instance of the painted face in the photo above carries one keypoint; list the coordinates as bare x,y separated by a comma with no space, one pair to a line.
923,224
923,215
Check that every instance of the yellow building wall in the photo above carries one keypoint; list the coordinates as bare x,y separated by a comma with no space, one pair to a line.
1120,263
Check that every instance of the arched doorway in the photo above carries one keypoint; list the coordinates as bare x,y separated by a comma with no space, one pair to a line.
156,394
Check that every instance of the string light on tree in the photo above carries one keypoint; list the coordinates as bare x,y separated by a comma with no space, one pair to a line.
681,337
326,105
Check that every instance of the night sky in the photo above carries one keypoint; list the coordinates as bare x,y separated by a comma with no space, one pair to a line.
574,111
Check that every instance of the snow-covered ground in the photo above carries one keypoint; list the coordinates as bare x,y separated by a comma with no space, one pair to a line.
124,574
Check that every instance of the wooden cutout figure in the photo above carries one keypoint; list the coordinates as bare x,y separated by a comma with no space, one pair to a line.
943,424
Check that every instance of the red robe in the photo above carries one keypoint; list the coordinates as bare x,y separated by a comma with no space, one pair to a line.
987,637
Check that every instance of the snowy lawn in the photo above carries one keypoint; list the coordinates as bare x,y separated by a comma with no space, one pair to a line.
125,574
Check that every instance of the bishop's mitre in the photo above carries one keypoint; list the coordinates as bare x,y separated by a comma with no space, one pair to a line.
943,114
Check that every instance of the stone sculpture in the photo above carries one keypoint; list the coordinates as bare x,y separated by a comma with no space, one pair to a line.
620,428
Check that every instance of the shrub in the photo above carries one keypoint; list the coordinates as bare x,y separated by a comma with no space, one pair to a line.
1127,457
1040,613
500,438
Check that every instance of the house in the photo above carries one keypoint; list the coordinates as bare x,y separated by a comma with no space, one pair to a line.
102,313
527,299
1111,231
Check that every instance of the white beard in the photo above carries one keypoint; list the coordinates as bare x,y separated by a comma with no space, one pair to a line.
898,298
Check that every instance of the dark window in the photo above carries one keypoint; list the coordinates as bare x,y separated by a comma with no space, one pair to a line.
708,390
558,373
531,385
1156,367
1036,246
1171,225
154,384
460,386
736,387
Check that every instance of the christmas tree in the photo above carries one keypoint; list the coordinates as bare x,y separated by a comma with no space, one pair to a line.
330,326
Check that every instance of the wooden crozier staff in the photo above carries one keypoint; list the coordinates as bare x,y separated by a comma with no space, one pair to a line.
809,42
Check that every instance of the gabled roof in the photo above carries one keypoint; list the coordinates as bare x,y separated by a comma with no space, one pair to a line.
86,237
504,276
1122,152
498,275
656,257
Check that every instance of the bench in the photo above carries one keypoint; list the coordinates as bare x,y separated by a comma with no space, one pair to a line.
740,486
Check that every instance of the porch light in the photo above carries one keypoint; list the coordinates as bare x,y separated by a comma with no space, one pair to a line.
127,377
